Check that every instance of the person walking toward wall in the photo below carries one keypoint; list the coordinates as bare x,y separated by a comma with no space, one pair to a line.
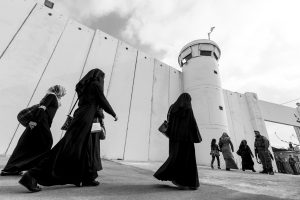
37,137
94,160
67,161
181,166
261,145
226,147
246,155
214,152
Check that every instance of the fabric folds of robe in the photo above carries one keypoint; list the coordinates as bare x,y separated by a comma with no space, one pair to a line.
34,143
181,164
246,155
227,154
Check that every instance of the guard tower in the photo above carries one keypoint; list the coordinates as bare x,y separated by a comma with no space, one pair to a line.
201,79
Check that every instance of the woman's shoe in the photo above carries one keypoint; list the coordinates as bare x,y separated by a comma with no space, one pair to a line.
253,170
181,187
29,182
193,188
227,169
90,183
219,167
15,173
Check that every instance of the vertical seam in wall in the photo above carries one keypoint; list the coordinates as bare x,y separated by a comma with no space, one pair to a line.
17,31
112,69
151,109
132,87
84,64
37,85
169,85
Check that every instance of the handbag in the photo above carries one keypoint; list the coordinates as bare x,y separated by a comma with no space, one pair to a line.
163,127
97,128
69,119
26,115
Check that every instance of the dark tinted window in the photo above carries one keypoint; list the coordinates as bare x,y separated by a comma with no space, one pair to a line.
205,53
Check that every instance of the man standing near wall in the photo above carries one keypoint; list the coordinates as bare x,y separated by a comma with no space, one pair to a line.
261,146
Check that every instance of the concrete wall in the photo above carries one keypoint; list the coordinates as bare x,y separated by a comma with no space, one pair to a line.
41,48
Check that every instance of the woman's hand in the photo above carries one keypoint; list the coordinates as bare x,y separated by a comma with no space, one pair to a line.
32,124
116,118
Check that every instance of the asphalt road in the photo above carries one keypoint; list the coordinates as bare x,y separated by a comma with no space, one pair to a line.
119,181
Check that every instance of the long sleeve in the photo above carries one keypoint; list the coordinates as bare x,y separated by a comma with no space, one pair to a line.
46,101
103,103
250,151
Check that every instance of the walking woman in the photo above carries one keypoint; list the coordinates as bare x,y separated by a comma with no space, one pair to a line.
67,161
214,153
37,137
246,155
94,160
181,166
226,147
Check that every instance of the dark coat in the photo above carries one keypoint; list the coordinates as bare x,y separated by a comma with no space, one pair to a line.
182,126
33,143
246,154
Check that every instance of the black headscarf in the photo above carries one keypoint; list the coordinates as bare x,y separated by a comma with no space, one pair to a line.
183,102
93,75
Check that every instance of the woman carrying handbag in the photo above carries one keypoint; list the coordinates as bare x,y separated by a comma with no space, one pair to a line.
181,166
37,137
98,133
67,161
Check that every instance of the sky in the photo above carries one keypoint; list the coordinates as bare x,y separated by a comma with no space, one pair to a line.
259,39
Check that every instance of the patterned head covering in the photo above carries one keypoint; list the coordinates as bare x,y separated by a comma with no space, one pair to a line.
58,90
224,137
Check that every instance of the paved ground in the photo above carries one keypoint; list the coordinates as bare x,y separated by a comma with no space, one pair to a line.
131,180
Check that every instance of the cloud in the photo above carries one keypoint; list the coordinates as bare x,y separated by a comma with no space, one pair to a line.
259,40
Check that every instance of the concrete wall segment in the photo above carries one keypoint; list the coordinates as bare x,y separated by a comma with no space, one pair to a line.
119,95
137,144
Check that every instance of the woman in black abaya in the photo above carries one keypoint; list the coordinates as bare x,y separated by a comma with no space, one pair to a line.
181,166
247,155
37,138
67,161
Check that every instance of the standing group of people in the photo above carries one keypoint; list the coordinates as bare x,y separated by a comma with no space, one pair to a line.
262,153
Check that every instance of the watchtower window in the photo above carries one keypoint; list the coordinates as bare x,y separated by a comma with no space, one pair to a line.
186,58
205,53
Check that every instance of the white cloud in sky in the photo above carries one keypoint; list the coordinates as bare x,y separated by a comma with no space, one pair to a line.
259,39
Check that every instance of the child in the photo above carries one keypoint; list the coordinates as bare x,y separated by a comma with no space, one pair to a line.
214,153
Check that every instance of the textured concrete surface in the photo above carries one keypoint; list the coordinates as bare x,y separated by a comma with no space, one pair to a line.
130,180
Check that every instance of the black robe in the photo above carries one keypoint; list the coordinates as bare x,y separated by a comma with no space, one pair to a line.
33,143
67,162
181,164
246,154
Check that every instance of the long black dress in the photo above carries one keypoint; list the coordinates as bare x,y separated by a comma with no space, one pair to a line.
67,162
33,143
246,154
181,165
94,160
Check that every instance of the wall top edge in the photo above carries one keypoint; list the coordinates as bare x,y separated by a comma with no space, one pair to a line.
100,31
